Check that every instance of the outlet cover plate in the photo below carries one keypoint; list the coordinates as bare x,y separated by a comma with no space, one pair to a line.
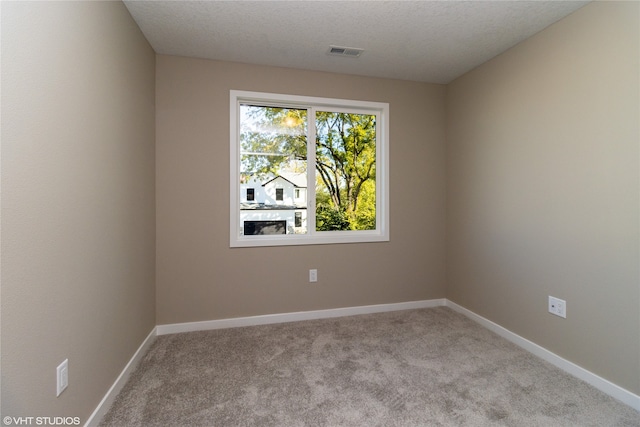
558,307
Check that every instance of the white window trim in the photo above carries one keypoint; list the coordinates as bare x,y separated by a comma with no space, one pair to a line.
381,234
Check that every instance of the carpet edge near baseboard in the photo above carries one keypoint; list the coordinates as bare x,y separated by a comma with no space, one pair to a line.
268,319
623,395
96,416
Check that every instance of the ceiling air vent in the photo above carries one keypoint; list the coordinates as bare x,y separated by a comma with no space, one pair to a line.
352,52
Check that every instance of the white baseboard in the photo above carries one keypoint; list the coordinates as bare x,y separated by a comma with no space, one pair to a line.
294,317
613,390
108,399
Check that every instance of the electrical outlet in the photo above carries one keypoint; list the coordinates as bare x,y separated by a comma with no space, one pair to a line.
313,275
62,377
558,307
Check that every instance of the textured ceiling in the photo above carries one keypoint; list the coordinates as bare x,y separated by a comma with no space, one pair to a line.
429,41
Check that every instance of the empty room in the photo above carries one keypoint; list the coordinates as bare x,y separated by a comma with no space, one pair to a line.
339,213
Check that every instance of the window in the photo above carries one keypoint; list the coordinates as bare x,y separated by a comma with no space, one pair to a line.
319,167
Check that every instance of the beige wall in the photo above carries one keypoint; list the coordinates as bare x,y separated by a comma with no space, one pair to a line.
78,219
543,189
200,278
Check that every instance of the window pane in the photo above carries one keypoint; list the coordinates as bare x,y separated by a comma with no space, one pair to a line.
273,161
346,171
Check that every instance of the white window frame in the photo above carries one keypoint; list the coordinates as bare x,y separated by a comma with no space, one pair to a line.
313,237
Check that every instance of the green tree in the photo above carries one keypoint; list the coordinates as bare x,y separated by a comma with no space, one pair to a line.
346,165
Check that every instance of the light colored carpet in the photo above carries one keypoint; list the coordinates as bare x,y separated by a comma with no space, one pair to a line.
427,367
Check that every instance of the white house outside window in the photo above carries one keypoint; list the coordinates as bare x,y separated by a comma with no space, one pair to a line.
307,170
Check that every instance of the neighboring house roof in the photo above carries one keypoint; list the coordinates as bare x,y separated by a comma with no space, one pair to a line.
298,180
